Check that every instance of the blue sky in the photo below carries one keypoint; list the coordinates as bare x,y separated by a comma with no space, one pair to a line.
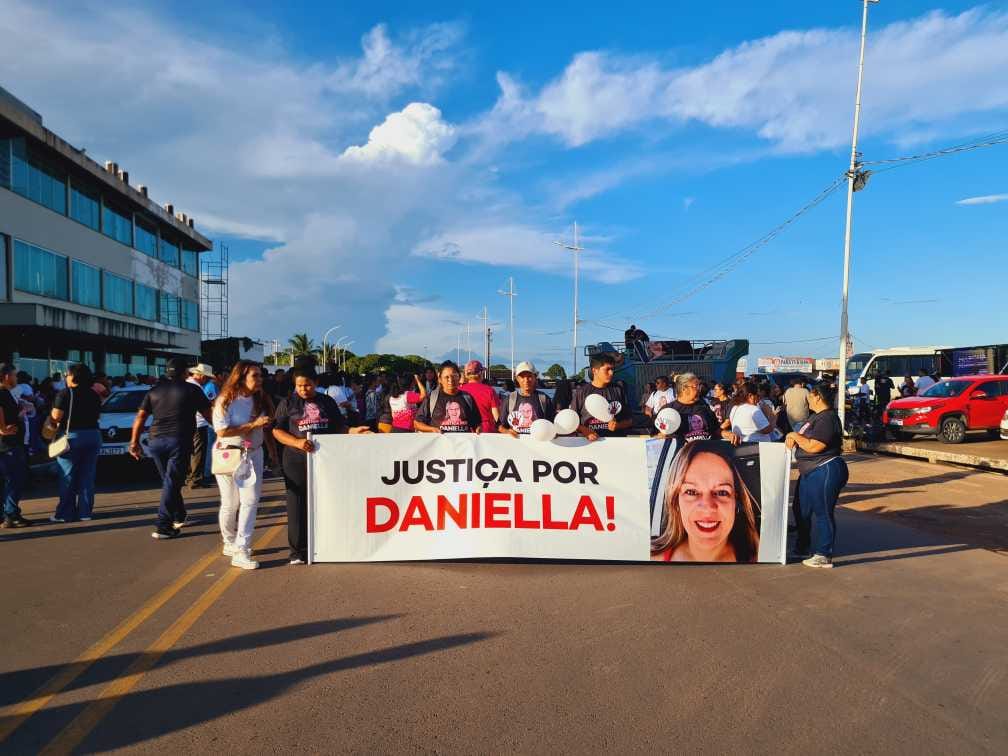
388,166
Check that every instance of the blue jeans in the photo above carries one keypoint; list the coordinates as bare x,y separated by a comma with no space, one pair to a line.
818,492
77,467
13,465
171,457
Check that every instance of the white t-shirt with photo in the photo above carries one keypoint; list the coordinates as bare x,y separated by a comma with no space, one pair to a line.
746,420
660,399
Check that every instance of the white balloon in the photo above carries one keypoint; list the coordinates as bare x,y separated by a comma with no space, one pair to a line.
597,405
668,421
542,430
566,421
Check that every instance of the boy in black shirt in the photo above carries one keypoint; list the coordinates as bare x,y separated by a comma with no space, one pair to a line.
602,366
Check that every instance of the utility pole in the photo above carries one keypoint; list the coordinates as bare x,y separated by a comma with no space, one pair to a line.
854,175
468,342
511,294
576,250
486,339
458,347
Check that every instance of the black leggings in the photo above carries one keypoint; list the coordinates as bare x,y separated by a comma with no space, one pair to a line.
295,473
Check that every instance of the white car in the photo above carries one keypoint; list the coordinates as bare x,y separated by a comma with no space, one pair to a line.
1004,427
116,421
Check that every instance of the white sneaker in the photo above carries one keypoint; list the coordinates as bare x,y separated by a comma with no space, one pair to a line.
296,561
229,549
820,561
54,518
242,558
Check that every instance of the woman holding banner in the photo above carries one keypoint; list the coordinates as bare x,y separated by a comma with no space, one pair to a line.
709,514
303,412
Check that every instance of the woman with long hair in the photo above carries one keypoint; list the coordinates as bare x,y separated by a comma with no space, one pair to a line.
721,404
240,413
748,420
709,514
400,405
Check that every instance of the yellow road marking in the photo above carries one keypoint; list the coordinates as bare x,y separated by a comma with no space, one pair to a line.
13,716
74,733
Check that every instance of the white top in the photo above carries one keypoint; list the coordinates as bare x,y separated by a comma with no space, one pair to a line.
746,419
238,413
210,391
660,399
924,383
341,394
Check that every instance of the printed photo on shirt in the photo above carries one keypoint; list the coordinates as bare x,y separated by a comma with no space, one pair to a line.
711,502
523,416
455,420
313,420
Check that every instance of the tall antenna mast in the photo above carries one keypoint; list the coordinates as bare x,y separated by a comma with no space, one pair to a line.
576,250
511,294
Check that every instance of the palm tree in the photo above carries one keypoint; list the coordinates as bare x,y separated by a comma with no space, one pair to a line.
301,344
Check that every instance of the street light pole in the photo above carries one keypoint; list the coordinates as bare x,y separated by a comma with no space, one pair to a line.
575,249
511,294
325,336
852,174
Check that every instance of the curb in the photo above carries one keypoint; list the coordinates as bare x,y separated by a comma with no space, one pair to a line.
932,455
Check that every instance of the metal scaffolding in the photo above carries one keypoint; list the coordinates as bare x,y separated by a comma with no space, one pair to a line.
214,294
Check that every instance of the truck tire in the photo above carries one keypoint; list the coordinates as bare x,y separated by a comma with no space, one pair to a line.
953,430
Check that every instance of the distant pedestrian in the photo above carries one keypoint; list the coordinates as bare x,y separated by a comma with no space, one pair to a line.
173,404
485,397
662,396
924,382
720,404
76,411
202,376
399,407
883,392
907,388
13,462
748,420
304,411
240,414
796,403
822,476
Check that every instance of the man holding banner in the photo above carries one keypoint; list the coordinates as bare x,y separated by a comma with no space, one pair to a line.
526,404
612,415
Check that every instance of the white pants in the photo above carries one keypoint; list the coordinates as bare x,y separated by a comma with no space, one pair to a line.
239,504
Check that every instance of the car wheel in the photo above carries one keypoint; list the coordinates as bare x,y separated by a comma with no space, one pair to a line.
953,430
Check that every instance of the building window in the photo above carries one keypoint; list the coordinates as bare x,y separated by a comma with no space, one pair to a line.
146,301
38,271
169,310
118,294
118,226
3,268
5,163
190,315
169,253
146,240
85,284
84,207
190,262
31,179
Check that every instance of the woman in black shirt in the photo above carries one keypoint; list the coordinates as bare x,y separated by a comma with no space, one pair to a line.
304,411
75,411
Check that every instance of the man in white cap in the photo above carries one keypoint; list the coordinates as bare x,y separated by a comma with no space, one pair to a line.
199,476
526,404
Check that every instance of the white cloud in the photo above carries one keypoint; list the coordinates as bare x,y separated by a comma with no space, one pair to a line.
988,199
513,245
214,223
793,89
413,328
417,134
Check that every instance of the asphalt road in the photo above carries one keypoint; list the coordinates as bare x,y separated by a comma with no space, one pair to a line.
901,649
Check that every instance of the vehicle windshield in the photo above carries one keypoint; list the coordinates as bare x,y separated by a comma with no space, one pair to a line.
947,388
856,364
124,401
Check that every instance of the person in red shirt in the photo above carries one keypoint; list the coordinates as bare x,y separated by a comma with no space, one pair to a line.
485,397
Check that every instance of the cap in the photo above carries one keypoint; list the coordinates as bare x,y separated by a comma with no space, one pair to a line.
525,367
202,369
473,367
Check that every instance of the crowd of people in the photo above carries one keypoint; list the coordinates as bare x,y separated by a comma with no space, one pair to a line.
204,428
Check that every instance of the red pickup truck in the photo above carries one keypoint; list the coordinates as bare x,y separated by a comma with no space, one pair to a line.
951,408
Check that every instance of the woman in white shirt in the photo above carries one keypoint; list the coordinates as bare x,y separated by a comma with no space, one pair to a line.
239,415
747,420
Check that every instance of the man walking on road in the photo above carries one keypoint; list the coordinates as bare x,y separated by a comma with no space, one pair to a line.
174,404
796,403
201,376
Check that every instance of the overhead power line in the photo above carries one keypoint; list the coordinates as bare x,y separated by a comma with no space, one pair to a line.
991,140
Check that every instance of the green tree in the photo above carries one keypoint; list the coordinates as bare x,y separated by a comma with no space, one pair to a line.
556,371
301,344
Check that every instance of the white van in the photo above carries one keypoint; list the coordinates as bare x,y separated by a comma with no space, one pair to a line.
897,362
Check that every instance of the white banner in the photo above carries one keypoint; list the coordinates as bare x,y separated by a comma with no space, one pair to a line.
397,497
406,496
